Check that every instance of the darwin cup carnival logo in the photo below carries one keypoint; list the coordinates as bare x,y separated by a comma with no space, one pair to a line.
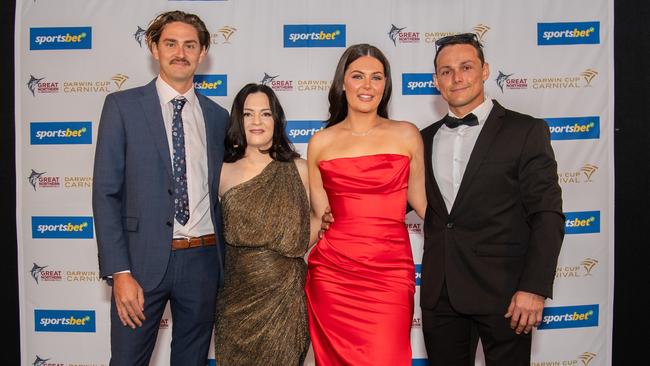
223,35
583,360
506,81
432,36
580,270
583,175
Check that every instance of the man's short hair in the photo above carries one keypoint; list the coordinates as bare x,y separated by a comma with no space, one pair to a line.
462,38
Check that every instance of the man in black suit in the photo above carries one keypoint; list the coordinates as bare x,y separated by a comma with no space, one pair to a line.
494,224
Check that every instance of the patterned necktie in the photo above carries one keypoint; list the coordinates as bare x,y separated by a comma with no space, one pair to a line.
181,199
469,120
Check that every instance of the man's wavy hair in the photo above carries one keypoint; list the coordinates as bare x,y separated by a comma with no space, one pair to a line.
153,32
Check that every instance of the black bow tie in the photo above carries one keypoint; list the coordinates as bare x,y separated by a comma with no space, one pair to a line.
469,120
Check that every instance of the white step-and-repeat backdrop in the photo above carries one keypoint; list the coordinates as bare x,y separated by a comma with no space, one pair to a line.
550,59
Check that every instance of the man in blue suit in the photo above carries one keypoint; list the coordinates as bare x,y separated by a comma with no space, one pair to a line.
158,221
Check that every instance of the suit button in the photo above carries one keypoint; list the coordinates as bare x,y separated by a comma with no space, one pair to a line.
170,192
168,223
450,225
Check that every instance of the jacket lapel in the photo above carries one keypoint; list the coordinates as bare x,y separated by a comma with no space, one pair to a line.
434,196
481,148
153,114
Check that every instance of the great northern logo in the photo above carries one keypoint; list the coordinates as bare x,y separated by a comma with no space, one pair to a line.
398,35
37,85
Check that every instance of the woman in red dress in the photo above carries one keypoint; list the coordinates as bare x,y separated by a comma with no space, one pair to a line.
361,280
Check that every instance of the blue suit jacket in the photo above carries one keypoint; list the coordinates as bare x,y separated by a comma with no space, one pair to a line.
132,183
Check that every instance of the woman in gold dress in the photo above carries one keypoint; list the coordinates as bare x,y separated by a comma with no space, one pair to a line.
261,313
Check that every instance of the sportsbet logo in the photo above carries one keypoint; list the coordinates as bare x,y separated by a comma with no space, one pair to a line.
60,38
568,33
301,131
418,84
314,35
61,227
569,317
64,320
215,85
586,222
574,128
57,133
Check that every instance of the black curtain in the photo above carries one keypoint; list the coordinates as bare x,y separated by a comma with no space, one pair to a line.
11,354
632,165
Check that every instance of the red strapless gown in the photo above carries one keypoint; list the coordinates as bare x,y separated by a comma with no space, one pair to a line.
361,277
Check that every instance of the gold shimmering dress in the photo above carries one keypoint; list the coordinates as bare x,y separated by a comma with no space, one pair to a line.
261,312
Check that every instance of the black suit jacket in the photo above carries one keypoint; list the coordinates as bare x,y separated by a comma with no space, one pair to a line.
506,226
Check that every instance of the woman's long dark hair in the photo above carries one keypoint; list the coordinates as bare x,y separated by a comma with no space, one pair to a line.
281,149
338,103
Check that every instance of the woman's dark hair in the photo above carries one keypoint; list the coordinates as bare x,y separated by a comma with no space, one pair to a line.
153,32
281,149
338,103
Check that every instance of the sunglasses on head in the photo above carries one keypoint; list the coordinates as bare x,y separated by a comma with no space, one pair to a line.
456,38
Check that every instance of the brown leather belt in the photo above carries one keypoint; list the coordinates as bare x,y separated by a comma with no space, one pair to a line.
201,241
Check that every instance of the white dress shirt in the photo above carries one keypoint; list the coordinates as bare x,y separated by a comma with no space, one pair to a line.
452,148
196,156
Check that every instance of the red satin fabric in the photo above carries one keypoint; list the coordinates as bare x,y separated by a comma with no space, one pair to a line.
361,277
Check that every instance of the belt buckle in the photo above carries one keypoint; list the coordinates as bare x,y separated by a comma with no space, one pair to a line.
185,241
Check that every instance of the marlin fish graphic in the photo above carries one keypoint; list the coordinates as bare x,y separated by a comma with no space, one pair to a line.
393,32
139,35
40,361
502,79
31,84
33,178
268,78
35,272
